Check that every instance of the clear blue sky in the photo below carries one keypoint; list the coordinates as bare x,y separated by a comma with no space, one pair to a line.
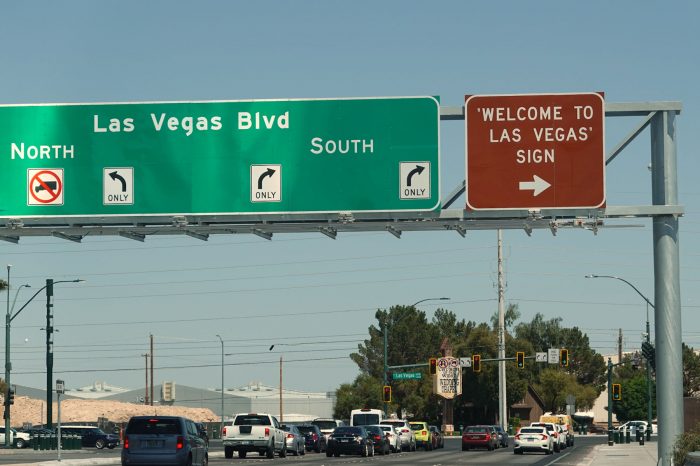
307,288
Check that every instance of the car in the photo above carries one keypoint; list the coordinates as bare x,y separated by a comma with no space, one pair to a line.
554,431
439,438
634,426
423,435
202,431
91,436
296,443
479,437
170,440
533,438
402,426
17,438
502,436
350,440
379,439
313,437
327,425
392,436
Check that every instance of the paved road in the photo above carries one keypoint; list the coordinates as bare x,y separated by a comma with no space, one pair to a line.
450,455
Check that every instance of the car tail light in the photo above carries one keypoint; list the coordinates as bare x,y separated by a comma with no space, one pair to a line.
315,437
290,435
554,434
544,437
377,437
267,431
517,437
424,433
223,432
180,442
126,442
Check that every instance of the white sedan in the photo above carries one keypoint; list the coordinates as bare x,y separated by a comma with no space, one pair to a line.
393,436
533,438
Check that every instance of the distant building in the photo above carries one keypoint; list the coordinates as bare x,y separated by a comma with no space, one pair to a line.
253,397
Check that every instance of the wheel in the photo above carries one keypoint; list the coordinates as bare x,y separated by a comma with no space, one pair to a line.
491,448
283,451
328,454
20,443
337,455
303,450
464,448
228,452
270,453
189,461
318,448
295,452
205,461
100,444
364,452
371,450
241,454
111,447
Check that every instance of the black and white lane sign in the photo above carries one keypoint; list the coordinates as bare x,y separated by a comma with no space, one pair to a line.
265,183
414,180
45,186
118,186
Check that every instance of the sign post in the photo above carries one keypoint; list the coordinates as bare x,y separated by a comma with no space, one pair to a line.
60,389
220,158
537,151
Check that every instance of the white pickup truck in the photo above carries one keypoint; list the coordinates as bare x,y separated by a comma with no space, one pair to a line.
254,432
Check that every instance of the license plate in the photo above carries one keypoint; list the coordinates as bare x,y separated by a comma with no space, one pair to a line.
345,440
246,442
154,443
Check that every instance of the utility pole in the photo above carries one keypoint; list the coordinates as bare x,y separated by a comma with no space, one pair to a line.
619,346
146,386
8,366
502,397
151,335
49,352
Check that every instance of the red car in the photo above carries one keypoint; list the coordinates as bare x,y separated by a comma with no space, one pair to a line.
479,437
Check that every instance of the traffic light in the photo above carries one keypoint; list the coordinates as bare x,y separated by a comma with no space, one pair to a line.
520,359
564,357
10,396
649,353
432,363
616,392
476,363
387,394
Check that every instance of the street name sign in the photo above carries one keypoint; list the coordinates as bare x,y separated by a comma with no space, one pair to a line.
448,379
220,157
407,375
535,151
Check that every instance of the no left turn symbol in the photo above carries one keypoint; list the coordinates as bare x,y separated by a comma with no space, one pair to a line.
45,186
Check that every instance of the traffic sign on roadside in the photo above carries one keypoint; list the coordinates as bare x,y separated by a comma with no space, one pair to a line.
407,375
535,151
220,158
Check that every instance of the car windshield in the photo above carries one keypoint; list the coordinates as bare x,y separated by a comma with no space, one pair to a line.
153,426
347,431
365,419
394,423
417,427
476,429
306,430
325,424
531,430
252,420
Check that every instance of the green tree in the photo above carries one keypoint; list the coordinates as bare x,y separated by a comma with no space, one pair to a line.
634,399
364,392
510,315
691,371
3,285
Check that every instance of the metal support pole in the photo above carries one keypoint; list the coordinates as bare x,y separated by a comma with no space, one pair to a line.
384,372
151,337
58,421
669,354
649,410
610,406
281,411
7,362
502,397
49,352
222,383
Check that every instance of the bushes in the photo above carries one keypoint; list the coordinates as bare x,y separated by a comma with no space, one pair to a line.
687,442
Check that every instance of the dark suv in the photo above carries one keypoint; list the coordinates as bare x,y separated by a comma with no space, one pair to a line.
314,438
91,436
171,440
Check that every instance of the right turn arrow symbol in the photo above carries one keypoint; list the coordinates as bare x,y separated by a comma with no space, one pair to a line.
537,185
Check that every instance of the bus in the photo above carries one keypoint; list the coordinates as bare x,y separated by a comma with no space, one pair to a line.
366,417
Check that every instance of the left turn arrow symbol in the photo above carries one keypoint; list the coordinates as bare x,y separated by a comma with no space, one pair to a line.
116,176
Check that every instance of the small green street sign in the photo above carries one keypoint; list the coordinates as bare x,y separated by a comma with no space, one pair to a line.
407,375
220,158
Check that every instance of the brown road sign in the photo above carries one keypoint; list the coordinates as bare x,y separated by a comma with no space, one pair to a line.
535,151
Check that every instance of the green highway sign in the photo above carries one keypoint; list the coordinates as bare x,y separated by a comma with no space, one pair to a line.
220,158
407,375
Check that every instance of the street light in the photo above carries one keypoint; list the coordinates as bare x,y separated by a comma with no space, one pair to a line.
281,415
49,342
385,331
648,336
221,428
